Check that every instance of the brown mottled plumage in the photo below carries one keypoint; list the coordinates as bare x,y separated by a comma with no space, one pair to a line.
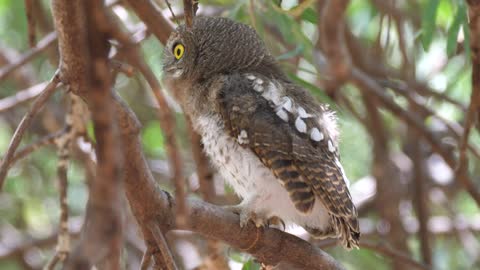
268,137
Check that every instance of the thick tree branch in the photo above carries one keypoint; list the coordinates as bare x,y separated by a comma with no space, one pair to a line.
332,28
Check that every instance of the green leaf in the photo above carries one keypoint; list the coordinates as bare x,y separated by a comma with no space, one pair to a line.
458,20
91,131
152,138
429,19
251,265
310,15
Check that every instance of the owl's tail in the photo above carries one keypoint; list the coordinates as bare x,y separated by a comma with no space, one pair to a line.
344,228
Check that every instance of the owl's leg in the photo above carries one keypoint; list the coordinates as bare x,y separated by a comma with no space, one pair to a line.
247,213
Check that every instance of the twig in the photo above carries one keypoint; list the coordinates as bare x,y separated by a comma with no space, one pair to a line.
152,16
43,44
52,262
21,97
75,126
365,83
23,77
146,259
24,124
34,243
63,240
30,22
425,111
154,250
420,195
188,7
27,150
162,245
171,11
123,67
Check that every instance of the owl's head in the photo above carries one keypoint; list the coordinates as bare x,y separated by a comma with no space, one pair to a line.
213,45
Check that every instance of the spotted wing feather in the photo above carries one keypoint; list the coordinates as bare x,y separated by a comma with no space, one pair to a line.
244,111
307,168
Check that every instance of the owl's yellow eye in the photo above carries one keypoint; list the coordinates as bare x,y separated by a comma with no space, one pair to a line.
178,51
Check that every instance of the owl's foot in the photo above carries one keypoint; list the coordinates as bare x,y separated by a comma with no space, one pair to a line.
260,220
276,221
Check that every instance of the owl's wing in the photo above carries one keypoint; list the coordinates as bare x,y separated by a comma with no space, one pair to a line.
288,140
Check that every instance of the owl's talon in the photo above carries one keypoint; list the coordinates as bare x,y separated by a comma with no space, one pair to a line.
277,222
246,215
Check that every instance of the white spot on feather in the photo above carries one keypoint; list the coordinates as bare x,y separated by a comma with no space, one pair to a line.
242,137
331,148
316,135
273,94
300,125
251,77
258,87
287,104
302,113
282,114
258,81
345,179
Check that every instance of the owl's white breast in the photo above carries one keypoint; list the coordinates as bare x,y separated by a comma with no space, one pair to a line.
249,178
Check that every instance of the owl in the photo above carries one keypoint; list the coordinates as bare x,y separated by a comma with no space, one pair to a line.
268,137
